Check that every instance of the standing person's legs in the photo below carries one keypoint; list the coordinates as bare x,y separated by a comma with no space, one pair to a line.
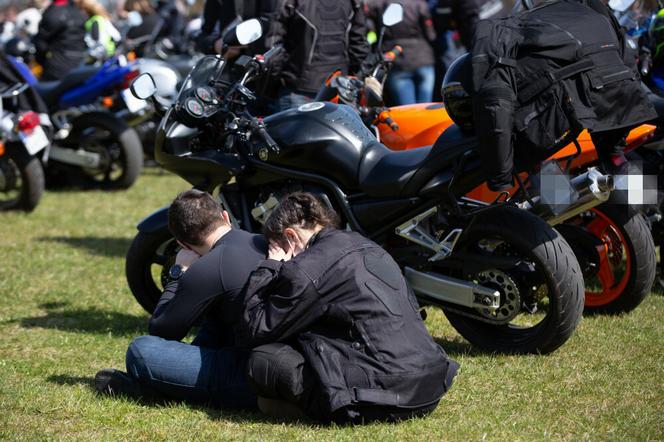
190,373
289,99
401,87
609,145
424,81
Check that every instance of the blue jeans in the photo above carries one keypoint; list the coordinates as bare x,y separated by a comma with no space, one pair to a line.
289,99
407,87
191,372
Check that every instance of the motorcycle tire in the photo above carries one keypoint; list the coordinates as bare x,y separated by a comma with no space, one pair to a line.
546,248
23,174
117,144
624,232
147,250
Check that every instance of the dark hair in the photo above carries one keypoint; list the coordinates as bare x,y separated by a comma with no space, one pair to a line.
193,215
301,209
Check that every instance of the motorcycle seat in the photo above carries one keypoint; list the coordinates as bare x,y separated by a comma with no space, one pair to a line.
50,91
387,173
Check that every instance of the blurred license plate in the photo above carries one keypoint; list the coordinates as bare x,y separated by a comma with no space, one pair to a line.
35,141
133,104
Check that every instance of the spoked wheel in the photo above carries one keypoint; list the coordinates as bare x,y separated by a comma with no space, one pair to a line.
537,276
149,258
21,182
117,168
116,145
617,257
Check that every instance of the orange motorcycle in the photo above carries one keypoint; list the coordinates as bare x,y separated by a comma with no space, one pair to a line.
613,245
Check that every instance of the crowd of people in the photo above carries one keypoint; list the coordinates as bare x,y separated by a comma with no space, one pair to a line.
432,33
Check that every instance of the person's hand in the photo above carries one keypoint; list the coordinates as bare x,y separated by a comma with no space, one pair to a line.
276,252
185,258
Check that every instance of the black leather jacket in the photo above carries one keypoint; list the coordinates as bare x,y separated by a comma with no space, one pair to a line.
348,307
60,41
319,36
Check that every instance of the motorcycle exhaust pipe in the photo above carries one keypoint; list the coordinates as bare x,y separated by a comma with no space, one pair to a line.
586,191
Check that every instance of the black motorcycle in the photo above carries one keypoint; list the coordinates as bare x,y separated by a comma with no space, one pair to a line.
505,279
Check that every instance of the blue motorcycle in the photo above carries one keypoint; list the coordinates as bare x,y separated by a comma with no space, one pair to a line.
91,145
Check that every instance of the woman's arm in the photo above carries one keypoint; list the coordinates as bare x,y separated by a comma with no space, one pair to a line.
279,302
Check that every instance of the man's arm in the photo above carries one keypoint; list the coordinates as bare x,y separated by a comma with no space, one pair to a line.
358,47
279,301
185,300
51,25
277,31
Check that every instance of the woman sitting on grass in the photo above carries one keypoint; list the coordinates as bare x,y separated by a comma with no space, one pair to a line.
340,335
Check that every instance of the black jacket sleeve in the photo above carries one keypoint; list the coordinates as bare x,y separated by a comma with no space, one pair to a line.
52,23
358,47
279,24
184,301
279,302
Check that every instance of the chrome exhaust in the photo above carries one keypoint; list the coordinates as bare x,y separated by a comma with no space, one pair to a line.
583,192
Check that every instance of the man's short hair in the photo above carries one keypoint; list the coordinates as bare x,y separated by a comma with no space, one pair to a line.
298,209
193,215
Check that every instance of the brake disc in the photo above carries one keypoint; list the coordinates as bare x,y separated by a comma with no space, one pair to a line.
510,298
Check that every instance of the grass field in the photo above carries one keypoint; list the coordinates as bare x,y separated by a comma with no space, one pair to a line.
66,312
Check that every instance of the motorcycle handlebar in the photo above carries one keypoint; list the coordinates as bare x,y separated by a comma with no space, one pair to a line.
258,128
393,53
273,52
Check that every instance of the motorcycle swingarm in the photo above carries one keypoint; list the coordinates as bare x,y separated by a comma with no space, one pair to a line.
441,289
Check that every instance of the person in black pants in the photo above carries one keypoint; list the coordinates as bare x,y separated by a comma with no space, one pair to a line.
60,42
339,333
206,280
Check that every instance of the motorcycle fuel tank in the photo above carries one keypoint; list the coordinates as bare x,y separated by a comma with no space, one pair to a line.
323,138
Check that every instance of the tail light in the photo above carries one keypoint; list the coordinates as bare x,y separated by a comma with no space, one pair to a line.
2,148
27,122
129,76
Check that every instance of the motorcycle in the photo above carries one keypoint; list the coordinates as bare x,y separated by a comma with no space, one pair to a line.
506,289
613,246
91,145
23,141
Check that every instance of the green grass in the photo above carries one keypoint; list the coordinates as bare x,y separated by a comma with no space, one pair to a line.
66,312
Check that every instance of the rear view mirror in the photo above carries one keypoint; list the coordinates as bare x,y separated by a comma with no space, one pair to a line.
249,31
143,87
620,5
244,33
393,14
134,19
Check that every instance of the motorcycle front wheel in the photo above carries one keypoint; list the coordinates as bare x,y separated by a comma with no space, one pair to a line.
21,182
541,293
149,258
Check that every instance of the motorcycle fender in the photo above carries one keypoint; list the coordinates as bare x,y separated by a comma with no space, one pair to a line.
107,119
156,222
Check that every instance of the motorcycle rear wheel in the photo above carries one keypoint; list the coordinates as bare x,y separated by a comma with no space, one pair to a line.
21,182
532,241
625,263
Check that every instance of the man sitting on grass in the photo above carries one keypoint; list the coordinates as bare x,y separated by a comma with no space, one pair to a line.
209,273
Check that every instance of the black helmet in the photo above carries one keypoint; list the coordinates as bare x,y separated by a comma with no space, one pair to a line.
456,93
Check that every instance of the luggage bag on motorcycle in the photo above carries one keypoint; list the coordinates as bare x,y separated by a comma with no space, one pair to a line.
542,76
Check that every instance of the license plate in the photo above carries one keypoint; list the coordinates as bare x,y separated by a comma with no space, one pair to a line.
35,141
133,104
